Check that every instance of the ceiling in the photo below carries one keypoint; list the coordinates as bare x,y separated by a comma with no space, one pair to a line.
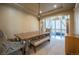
44,7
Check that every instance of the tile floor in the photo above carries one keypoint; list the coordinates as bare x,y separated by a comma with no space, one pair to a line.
56,46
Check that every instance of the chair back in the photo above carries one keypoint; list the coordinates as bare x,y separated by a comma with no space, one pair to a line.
1,34
2,43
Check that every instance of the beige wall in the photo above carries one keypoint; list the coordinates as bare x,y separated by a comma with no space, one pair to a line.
71,23
14,21
76,16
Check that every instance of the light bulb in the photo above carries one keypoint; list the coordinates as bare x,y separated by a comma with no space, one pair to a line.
55,6
40,11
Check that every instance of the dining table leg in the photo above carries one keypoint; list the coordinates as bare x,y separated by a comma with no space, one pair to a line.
26,47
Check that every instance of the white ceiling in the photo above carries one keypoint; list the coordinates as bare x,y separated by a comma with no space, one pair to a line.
44,7
49,6
30,6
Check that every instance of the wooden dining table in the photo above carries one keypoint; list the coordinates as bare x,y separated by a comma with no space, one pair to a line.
26,37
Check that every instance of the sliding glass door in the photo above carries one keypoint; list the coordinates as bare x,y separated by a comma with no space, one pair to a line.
59,27
57,24
56,28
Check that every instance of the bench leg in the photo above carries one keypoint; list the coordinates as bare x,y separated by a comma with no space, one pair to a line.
34,49
48,39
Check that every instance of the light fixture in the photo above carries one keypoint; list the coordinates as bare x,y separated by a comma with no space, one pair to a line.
55,6
40,11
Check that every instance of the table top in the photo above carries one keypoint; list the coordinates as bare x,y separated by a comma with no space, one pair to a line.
28,35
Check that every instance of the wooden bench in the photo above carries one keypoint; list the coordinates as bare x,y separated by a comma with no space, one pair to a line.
39,40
